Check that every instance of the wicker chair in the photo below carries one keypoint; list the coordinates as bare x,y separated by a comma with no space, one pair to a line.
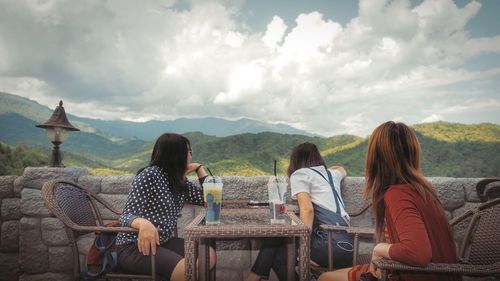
479,252
77,209
486,190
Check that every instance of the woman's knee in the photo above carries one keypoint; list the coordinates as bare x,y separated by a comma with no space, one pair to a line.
337,275
178,273
213,258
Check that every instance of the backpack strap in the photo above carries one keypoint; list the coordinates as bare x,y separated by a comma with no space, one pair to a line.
110,256
107,253
338,200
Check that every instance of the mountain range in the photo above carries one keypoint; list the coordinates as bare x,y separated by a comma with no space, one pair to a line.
149,130
449,149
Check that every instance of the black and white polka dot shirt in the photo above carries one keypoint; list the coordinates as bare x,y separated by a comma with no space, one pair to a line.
152,199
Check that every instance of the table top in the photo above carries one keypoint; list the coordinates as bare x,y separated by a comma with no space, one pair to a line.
246,222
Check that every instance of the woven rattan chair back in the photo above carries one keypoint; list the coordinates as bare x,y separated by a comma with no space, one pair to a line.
488,189
77,209
76,204
481,244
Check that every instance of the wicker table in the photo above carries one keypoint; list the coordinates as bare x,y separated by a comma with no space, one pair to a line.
245,223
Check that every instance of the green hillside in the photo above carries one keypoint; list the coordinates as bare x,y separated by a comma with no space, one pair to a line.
455,132
30,109
16,128
449,149
454,153
466,155
14,159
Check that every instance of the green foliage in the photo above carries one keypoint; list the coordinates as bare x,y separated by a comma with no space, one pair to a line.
449,156
455,132
254,154
449,149
13,160
107,172
31,109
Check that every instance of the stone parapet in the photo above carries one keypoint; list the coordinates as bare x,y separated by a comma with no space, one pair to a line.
10,214
34,244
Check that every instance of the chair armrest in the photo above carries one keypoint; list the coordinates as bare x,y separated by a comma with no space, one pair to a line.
357,231
362,231
460,218
460,268
83,228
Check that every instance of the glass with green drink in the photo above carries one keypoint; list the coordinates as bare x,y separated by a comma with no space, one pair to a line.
212,194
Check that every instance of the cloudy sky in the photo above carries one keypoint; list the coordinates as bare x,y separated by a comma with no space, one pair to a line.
328,67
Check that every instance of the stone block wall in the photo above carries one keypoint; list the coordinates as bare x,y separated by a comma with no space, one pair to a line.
34,245
10,214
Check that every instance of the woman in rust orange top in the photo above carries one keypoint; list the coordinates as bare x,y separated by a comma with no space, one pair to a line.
405,205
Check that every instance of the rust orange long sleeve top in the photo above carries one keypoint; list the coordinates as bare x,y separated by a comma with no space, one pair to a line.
417,232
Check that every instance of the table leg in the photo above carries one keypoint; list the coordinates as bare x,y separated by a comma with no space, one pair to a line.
304,253
190,259
204,260
290,259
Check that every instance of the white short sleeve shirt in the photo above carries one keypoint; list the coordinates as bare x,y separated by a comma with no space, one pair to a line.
306,180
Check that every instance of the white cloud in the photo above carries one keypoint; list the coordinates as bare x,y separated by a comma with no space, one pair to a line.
432,118
274,33
140,61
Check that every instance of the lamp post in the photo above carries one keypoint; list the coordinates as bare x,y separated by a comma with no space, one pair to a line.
57,129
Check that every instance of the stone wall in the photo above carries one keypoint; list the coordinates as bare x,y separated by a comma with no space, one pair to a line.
10,214
34,245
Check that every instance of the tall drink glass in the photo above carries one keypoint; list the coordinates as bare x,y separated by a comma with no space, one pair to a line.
212,194
276,190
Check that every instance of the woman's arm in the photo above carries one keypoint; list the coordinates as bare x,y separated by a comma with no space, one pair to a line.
137,198
306,208
340,169
148,237
414,246
198,168
195,193
381,250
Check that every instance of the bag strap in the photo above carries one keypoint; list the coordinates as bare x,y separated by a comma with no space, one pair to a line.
107,251
335,194
108,255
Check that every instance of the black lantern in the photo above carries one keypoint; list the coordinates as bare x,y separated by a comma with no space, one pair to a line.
57,129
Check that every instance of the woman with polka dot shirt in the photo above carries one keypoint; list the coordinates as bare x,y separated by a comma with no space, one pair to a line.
158,194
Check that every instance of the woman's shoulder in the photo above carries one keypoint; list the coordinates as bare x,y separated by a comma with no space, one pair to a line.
150,171
400,191
304,171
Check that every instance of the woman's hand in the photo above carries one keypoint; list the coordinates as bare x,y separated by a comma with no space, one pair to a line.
373,270
200,171
191,167
148,237
381,250
340,169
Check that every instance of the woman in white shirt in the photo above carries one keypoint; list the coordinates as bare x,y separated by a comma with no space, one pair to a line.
317,190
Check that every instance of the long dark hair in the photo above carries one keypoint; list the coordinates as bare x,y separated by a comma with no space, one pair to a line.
170,152
393,157
305,155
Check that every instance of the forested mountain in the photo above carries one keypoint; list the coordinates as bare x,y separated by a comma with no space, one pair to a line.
147,131
253,154
449,149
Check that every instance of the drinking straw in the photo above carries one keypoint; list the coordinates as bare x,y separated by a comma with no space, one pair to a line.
210,172
276,180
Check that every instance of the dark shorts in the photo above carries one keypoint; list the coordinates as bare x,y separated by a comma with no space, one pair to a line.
168,256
